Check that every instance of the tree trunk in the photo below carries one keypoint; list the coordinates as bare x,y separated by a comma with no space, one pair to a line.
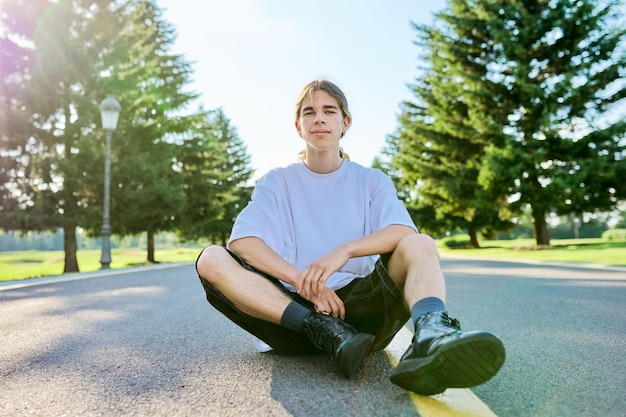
69,246
576,226
151,247
471,230
542,237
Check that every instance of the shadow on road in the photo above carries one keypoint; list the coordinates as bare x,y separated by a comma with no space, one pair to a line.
310,386
150,343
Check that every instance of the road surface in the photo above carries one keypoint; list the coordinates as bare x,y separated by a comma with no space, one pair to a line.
144,341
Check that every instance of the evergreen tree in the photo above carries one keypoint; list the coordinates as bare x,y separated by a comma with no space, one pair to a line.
562,65
14,29
216,171
64,57
443,137
516,104
51,108
149,81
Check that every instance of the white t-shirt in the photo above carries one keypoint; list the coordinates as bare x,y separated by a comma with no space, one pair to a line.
303,215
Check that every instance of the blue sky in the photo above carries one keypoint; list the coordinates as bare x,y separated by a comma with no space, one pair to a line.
252,57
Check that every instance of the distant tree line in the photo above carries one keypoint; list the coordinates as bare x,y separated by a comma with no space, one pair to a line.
53,241
519,108
174,169
567,228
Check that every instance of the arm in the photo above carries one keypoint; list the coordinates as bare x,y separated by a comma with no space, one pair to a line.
258,254
382,241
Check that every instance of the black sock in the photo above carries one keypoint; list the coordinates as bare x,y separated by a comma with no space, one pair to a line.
425,306
293,316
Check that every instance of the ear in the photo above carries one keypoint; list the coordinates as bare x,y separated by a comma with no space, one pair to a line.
347,121
298,128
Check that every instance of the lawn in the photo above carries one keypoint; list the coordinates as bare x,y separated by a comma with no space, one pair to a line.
589,251
31,264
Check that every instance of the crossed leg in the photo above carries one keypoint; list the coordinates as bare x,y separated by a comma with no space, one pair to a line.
414,267
256,297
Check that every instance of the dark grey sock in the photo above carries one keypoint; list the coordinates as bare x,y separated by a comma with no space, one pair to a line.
293,316
425,306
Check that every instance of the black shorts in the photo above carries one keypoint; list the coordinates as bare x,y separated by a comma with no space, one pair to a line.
374,304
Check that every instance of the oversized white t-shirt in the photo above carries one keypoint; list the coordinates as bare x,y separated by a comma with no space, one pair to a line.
303,215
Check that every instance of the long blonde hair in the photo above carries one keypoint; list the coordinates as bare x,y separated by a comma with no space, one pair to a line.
336,93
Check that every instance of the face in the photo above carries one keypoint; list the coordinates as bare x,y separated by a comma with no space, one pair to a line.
321,123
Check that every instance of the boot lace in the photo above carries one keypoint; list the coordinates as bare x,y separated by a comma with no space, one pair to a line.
449,321
319,333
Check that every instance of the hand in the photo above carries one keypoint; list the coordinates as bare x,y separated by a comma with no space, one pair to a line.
328,302
313,279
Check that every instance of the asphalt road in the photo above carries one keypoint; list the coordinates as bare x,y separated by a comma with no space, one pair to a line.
146,343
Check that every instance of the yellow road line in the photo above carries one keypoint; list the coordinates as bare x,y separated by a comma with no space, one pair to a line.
451,403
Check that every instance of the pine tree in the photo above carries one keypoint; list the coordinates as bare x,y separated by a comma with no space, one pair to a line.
216,170
536,82
65,57
442,139
561,63
51,108
149,81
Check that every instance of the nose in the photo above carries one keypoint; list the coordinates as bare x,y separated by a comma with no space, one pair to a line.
319,117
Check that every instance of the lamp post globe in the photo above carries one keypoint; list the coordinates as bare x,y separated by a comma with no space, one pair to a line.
110,112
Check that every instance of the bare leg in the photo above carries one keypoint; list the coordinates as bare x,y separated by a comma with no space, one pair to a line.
414,266
253,295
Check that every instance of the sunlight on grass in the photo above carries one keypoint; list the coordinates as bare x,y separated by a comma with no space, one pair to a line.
33,264
590,251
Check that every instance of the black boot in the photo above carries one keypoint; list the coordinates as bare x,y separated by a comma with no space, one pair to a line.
442,356
343,342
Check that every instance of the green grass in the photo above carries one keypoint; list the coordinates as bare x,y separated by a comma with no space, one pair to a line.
591,251
32,264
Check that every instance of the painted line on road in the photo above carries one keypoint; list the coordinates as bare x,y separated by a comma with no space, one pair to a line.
451,403
30,282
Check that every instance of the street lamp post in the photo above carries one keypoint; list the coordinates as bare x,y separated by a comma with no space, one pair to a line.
110,111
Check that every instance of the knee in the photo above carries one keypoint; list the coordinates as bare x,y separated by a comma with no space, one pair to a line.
211,261
419,245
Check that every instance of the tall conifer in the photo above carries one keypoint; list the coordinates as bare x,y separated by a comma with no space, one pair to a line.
536,87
